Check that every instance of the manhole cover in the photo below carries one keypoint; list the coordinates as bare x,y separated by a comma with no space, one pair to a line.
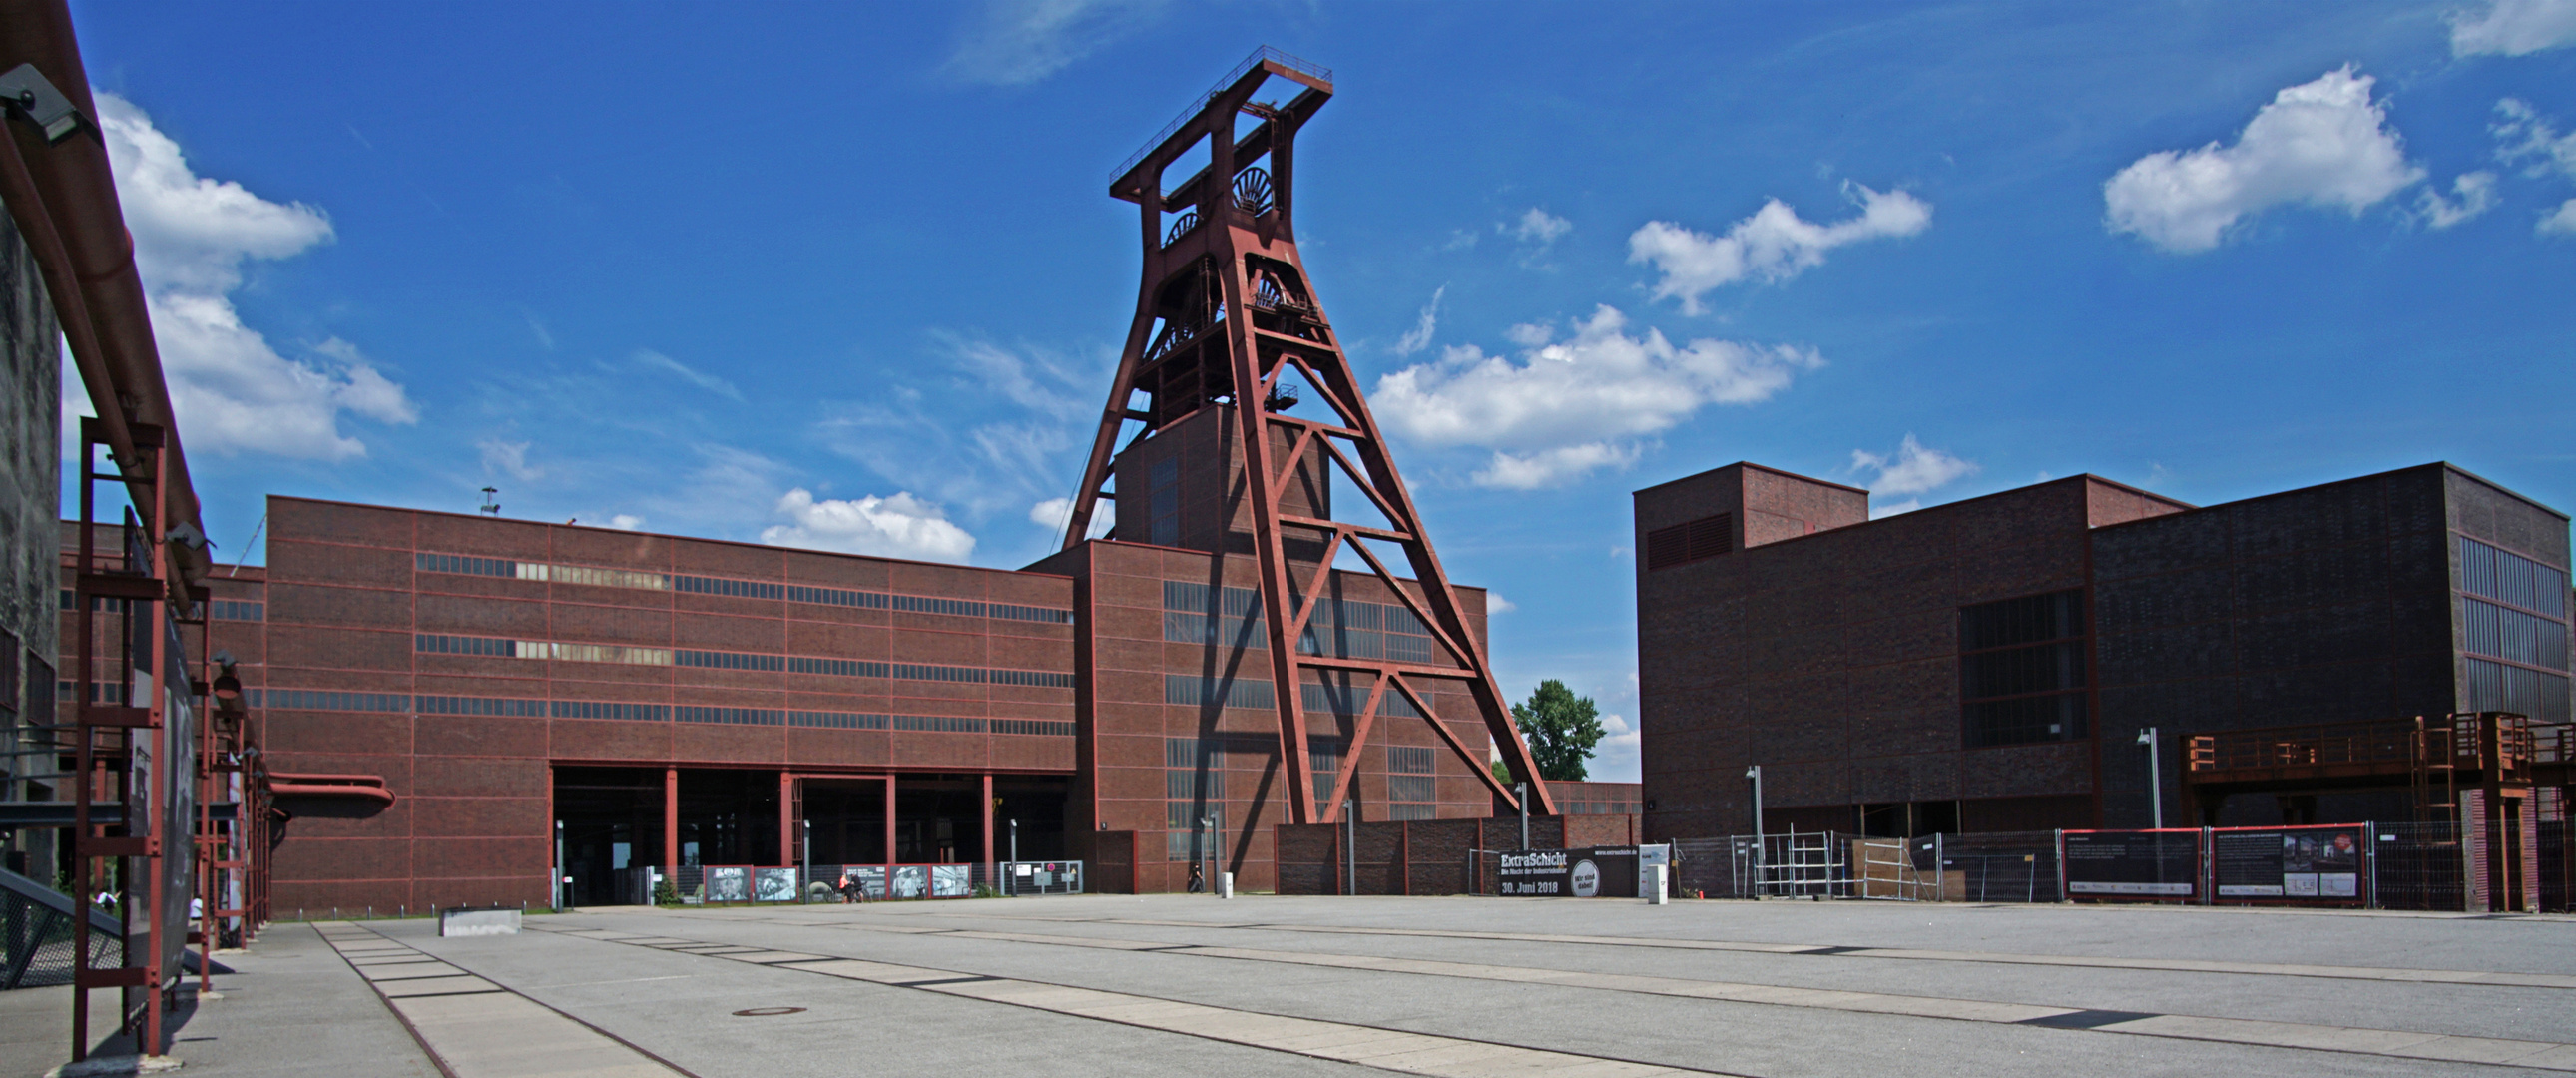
765,1012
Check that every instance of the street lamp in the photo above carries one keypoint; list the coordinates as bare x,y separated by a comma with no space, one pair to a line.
1520,792
2155,775
1755,773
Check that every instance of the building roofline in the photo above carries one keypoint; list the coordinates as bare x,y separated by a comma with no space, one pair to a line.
2499,488
2442,465
2082,477
666,535
1755,467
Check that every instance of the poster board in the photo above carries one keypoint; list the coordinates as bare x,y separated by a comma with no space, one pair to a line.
1595,872
2151,866
2322,865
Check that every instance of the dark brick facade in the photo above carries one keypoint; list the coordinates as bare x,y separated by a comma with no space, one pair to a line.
1828,649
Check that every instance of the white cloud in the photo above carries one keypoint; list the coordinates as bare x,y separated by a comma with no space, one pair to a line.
2561,221
1054,513
646,357
1574,406
901,526
1913,470
1549,467
2324,143
1496,604
508,458
1017,42
1889,509
1419,337
2527,138
232,390
2514,27
1773,245
625,522
2476,191
1616,733
1536,226
1029,377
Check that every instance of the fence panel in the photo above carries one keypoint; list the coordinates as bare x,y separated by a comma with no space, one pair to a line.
2419,866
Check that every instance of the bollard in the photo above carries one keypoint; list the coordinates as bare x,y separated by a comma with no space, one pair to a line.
1655,880
1225,885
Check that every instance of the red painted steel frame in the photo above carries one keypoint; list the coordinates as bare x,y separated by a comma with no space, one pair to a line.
1242,237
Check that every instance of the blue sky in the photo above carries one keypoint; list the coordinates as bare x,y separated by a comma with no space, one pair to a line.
847,276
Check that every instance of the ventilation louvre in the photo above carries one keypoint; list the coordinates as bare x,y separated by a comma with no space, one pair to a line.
1706,537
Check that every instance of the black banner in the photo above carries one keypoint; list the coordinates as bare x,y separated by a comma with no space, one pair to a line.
2132,864
1598,872
2321,864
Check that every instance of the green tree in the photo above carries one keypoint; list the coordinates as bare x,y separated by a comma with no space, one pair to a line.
1561,727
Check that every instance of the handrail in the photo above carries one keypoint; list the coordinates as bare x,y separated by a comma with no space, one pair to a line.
1249,62
57,901
2456,741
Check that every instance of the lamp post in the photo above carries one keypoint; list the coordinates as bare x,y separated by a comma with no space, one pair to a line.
1350,850
806,878
1520,793
2155,776
1755,773
563,883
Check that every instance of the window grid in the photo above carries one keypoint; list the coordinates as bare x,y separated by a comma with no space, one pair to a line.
2494,686
2021,670
465,645
836,667
327,700
237,610
838,720
725,586
946,724
2501,632
738,716
481,705
461,564
587,709
2510,578
1191,690
730,660
740,589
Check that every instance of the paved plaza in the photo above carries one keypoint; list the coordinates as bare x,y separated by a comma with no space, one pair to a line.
1118,985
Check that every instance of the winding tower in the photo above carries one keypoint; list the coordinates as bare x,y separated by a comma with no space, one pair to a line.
1229,340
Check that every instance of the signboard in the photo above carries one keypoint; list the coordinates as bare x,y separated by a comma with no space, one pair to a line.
774,884
871,880
2153,865
2316,864
731,884
1650,858
1599,872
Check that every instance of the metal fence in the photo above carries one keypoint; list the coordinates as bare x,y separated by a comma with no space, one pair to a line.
36,935
2418,866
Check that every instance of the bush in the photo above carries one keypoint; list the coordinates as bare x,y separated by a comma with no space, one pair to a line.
665,893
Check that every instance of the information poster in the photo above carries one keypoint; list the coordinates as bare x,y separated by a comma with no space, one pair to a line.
2132,864
871,881
775,884
951,881
2293,863
1599,872
731,884
912,881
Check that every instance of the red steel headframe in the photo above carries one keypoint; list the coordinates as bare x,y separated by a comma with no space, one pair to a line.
1236,313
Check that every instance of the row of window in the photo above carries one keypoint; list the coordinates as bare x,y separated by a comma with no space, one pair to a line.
2507,577
746,589
2494,686
1344,628
2021,670
2505,633
237,610
439,644
324,700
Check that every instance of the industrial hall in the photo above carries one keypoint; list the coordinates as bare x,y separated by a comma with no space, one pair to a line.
2084,654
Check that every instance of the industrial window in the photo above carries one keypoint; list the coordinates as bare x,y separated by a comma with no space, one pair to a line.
1706,537
1412,788
1043,679
2021,670
836,667
1345,699
729,660
458,563
1193,787
2510,578
1193,690
1198,614
596,709
739,716
481,705
916,672
1043,727
1164,500
946,724
2494,686
836,720
41,689
1047,614
740,589
237,610
923,604
869,600
2501,632
465,645
1326,754
319,700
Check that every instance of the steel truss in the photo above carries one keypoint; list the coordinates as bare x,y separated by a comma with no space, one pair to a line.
1225,314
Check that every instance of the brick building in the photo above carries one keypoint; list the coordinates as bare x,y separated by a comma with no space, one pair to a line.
689,702
1986,665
